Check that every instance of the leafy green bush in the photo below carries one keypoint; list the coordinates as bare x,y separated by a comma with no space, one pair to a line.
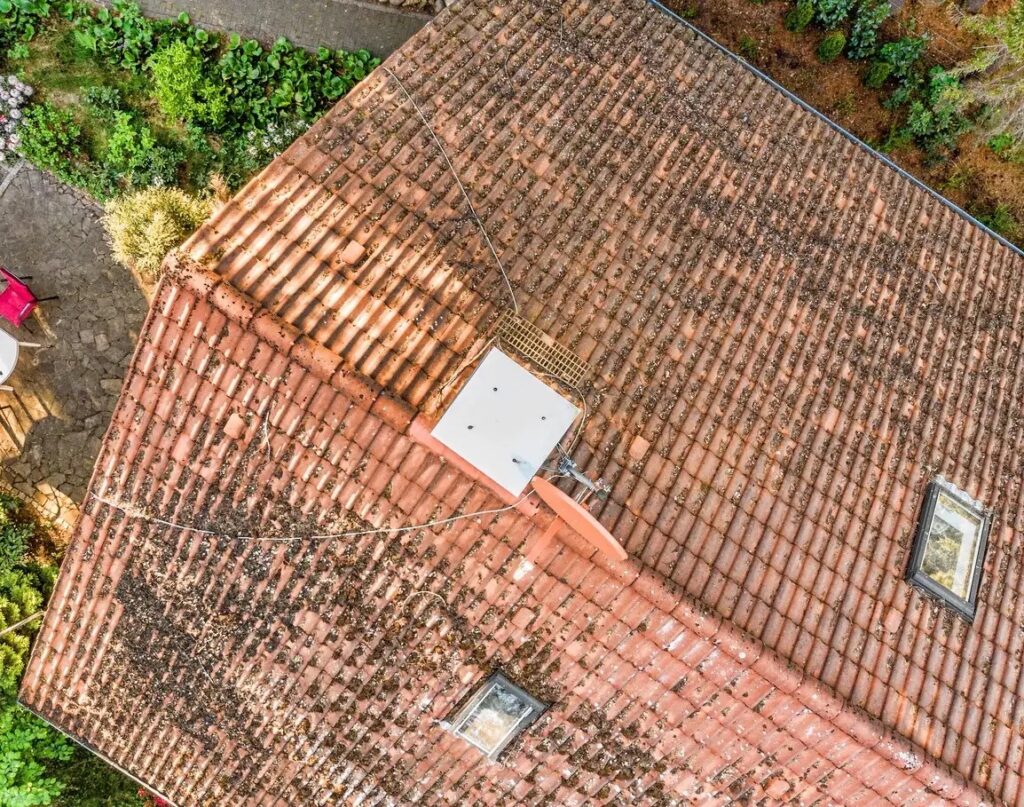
119,35
800,16
19,20
867,21
51,139
243,156
1007,147
936,117
904,55
104,102
236,100
831,46
28,752
145,226
29,748
23,590
182,91
129,144
285,83
134,154
877,74
832,13
15,532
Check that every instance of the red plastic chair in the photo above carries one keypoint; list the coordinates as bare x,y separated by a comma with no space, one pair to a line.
17,302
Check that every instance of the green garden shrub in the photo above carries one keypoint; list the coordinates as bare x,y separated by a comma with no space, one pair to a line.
878,73
51,139
182,91
29,751
15,532
904,53
831,46
936,114
1000,219
832,13
104,102
800,16
135,158
867,21
23,591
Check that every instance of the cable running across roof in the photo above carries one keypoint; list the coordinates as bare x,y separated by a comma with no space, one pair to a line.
135,512
465,193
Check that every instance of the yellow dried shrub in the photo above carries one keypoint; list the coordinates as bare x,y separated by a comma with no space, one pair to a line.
145,226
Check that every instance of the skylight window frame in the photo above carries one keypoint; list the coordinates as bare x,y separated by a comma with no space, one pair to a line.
464,713
915,575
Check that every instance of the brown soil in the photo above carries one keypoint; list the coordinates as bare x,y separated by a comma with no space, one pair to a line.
974,178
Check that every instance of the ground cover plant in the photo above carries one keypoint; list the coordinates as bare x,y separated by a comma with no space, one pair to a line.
939,90
123,102
39,766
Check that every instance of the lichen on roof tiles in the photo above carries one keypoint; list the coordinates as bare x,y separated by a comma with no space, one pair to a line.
786,338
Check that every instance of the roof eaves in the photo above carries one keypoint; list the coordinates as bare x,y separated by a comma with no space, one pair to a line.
835,126
96,752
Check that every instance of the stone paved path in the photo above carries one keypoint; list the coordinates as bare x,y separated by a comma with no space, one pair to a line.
52,423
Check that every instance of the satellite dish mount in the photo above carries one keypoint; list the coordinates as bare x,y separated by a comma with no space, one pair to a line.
572,512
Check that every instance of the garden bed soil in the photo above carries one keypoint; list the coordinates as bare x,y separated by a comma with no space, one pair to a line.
975,178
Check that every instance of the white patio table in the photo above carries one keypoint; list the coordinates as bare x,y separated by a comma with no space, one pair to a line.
9,350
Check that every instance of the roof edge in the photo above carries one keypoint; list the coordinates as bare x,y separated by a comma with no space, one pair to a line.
95,752
844,132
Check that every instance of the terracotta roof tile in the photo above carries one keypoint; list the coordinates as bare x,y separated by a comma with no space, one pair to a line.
787,339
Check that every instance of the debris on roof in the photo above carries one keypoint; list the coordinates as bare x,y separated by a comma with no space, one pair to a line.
784,341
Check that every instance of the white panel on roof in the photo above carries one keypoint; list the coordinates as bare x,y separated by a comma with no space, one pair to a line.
505,421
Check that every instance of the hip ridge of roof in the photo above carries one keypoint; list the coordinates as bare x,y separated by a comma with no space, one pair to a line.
324,363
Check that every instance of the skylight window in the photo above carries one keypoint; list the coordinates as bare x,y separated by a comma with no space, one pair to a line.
949,549
496,714
505,421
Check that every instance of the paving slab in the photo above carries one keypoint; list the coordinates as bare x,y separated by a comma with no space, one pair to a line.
63,393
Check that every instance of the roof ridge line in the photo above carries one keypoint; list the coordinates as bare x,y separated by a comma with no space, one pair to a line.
315,357
846,133
750,653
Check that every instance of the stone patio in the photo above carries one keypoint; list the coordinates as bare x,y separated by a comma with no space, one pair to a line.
52,423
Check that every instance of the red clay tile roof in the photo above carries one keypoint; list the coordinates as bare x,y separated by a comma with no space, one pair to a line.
788,340
230,671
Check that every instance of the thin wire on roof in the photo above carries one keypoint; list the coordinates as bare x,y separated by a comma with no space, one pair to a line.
465,193
138,513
